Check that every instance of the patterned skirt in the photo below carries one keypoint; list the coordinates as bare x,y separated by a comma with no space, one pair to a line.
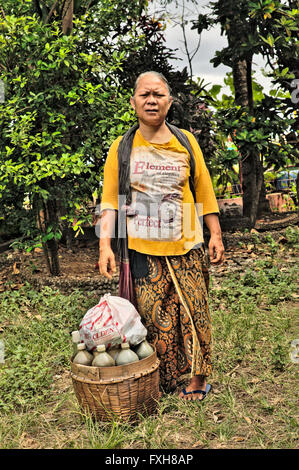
169,326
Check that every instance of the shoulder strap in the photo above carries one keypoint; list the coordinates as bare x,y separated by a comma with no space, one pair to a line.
183,139
123,154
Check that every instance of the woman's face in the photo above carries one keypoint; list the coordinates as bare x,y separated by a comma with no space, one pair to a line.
151,101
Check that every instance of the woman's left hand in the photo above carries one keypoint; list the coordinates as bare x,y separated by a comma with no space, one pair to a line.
216,249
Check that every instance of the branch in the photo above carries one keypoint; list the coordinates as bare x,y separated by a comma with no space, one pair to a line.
268,61
67,16
51,11
190,55
186,46
197,47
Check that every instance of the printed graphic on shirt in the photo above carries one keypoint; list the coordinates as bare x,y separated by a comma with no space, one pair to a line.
157,180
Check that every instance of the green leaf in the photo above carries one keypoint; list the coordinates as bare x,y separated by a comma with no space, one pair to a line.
284,71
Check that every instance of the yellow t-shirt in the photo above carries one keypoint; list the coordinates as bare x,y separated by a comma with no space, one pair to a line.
165,222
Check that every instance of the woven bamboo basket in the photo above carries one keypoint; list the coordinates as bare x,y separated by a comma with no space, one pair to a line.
120,393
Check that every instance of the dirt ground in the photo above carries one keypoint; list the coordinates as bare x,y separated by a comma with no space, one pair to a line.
80,263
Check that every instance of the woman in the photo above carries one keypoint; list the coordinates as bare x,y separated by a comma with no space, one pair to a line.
165,236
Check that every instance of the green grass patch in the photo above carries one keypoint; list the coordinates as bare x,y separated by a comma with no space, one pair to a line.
36,337
254,399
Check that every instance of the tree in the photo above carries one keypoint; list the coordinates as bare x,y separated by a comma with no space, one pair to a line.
151,53
278,36
79,115
62,109
244,29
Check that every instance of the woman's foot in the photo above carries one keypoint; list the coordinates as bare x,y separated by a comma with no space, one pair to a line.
198,382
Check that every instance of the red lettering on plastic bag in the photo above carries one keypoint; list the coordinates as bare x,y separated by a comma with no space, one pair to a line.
112,321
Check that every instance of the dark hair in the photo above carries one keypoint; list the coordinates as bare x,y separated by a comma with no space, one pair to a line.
152,72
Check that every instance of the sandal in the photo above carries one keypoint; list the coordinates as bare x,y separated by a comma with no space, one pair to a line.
202,392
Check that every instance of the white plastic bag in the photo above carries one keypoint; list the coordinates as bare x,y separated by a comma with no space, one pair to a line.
113,321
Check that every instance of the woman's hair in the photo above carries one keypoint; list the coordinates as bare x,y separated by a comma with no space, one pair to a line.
157,74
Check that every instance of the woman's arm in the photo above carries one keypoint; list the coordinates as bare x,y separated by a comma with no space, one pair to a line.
109,205
205,195
107,258
216,248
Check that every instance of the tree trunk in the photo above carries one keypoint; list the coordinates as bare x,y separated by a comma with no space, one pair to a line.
240,82
41,226
252,171
67,16
240,78
50,247
264,205
257,181
46,216
253,182
249,84
52,244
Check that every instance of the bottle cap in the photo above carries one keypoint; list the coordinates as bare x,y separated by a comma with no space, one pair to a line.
101,348
76,337
81,346
125,345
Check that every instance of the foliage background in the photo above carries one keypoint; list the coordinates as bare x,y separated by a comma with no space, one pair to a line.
68,79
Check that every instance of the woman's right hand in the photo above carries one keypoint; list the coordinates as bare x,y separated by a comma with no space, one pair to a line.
107,258
107,265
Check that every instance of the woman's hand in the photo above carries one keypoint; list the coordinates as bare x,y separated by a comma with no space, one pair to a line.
107,265
216,249
107,258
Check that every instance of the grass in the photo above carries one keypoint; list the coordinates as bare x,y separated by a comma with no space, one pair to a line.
254,398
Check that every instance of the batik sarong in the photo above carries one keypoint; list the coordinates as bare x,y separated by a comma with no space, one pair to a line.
166,319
